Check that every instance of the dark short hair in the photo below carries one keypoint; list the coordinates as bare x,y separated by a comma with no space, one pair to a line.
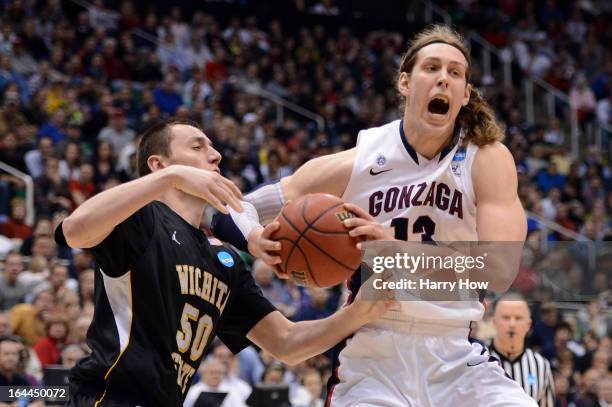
510,296
156,140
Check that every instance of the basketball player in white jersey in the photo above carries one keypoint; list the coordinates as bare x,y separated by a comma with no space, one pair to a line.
439,173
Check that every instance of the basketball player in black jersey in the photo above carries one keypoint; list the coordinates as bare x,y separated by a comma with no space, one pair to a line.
164,290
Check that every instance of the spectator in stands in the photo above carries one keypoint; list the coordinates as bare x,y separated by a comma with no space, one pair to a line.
594,318
71,354
104,163
55,128
71,156
212,372
11,118
15,227
310,390
582,100
550,178
5,323
273,289
58,281
35,159
44,245
68,304
166,97
604,391
10,152
13,289
543,334
9,362
231,378
28,320
51,190
316,303
83,187
86,287
117,133
48,348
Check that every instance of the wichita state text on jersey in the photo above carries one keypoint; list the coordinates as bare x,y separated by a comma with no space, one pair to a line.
163,291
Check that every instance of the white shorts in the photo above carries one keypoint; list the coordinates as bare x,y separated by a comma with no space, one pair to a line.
421,366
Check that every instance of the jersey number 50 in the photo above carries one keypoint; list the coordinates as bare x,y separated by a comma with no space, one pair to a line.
184,335
424,226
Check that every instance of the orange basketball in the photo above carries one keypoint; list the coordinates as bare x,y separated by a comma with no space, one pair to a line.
317,250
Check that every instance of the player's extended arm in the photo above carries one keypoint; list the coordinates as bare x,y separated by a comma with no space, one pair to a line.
294,342
499,215
96,218
328,174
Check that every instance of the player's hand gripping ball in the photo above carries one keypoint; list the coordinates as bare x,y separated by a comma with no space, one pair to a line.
316,249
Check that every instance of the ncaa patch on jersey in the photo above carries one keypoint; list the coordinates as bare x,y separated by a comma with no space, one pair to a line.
460,154
226,259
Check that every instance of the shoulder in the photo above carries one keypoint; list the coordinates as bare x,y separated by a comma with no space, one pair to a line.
494,170
391,127
493,155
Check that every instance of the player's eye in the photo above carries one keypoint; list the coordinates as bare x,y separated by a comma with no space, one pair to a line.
430,68
198,147
455,72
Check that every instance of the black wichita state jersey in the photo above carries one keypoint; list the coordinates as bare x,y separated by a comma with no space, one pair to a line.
162,293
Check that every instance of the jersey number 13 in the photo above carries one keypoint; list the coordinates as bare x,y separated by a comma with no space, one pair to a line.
424,226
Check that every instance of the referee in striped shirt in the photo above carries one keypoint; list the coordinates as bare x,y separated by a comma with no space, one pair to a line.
512,321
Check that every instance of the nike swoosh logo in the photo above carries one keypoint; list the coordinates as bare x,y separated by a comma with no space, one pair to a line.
474,364
372,172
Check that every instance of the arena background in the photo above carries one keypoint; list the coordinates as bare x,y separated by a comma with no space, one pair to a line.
275,83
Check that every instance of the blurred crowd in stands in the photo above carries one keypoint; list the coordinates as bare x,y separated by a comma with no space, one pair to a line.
78,85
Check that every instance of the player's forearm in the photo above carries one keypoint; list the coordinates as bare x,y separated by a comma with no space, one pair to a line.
98,216
310,338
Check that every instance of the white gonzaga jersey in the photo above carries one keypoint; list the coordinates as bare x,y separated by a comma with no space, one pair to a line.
424,200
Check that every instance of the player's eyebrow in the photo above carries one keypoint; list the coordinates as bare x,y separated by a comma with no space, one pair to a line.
201,139
438,60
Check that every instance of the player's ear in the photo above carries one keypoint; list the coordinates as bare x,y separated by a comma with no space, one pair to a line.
403,84
466,94
155,163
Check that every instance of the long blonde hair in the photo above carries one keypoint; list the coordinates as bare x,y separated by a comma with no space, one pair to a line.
477,117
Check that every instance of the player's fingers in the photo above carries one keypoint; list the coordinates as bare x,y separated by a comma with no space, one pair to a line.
270,229
283,275
367,230
268,245
354,222
224,196
227,195
270,259
233,188
357,210
212,199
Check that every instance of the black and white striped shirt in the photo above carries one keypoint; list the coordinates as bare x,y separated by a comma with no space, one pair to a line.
532,371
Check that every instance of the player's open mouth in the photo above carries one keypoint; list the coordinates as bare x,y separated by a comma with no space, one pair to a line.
438,106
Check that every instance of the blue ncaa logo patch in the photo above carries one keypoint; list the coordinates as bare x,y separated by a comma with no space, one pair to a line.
226,259
460,154
381,160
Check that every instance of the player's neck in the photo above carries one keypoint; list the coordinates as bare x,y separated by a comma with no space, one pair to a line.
427,143
186,206
509,349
